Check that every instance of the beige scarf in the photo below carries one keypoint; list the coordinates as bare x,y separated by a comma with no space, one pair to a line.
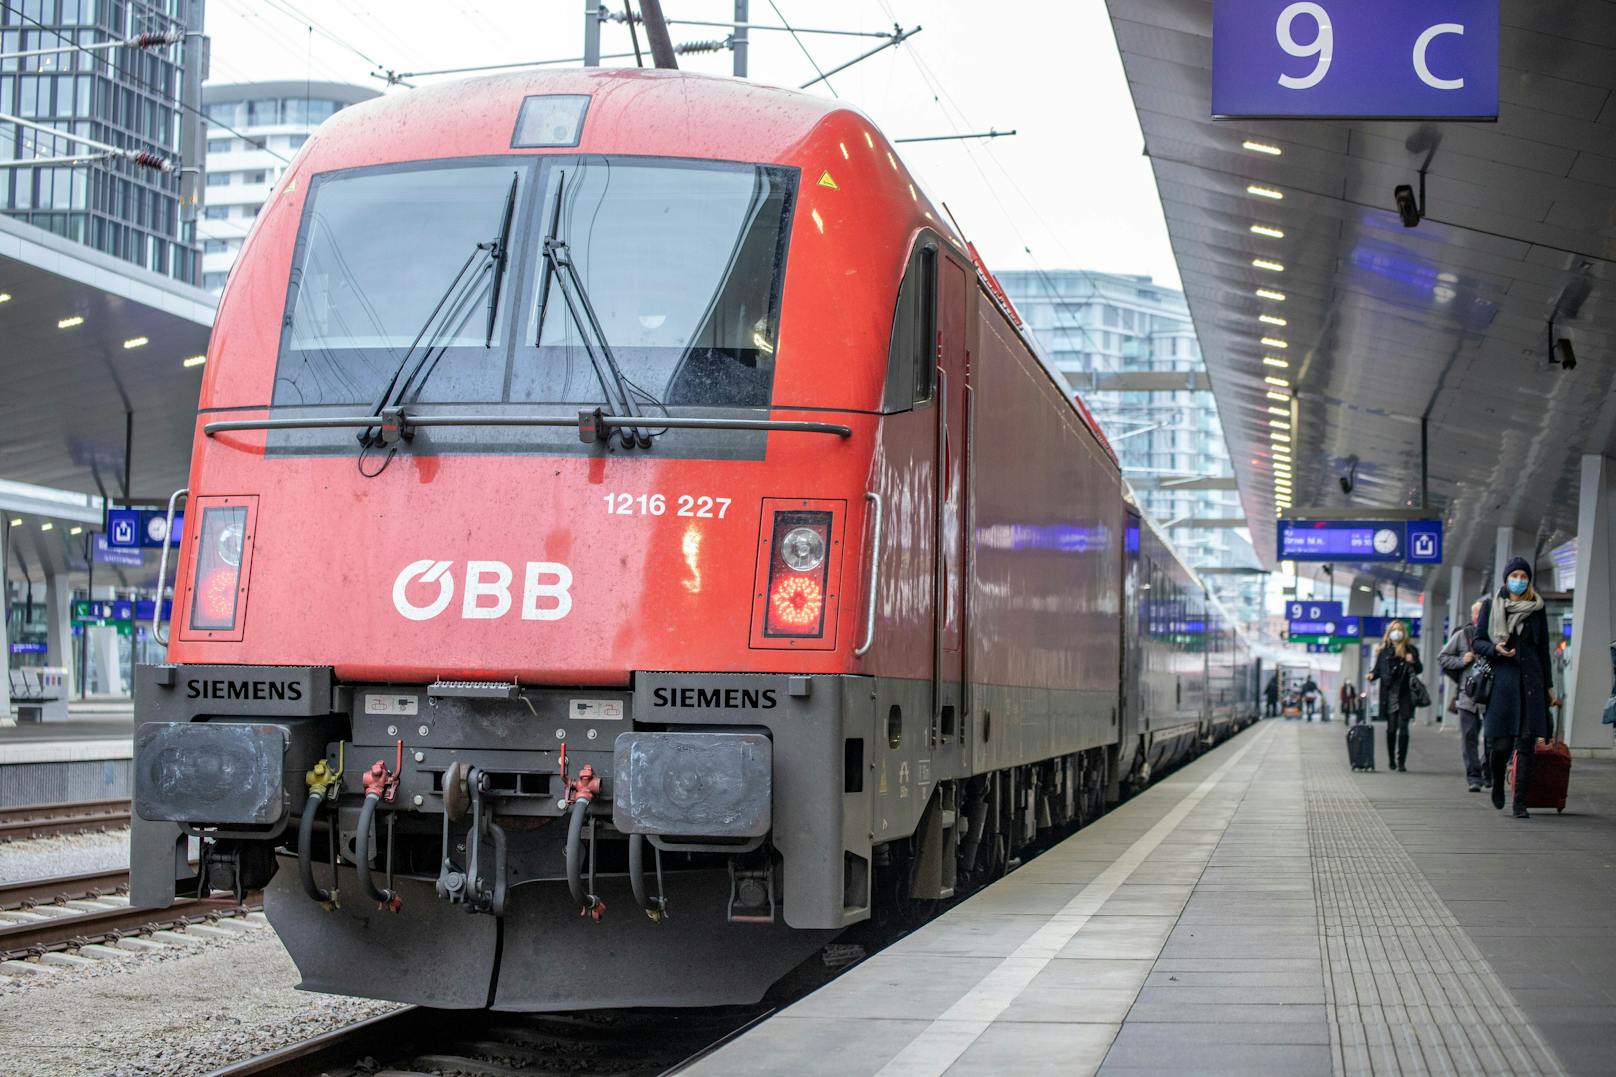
1508,613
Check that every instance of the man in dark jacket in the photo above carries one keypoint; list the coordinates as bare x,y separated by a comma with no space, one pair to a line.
1456,657
1271,694
1512,634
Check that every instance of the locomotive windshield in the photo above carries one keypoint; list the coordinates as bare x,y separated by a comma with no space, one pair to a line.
682,263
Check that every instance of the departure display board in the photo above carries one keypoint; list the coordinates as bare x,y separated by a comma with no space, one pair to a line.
1414,541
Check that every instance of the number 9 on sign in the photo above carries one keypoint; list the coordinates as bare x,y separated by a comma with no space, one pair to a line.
1322,46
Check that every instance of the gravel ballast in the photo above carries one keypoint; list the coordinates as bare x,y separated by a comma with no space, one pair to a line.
174,1012
64,854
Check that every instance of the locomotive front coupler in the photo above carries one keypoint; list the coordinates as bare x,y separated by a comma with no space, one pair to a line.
467,789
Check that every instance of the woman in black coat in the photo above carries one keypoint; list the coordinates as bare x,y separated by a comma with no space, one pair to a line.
1397,663
1512,634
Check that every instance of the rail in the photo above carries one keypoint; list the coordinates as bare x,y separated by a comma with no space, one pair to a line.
38,820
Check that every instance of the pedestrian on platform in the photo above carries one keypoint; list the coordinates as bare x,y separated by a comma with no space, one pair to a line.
1397,663
1271,695
1310,696
1349,701
1512,634
1456,657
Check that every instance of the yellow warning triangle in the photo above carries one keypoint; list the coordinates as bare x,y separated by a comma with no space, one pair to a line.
826,181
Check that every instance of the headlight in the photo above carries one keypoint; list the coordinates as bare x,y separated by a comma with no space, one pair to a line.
802,549
229,545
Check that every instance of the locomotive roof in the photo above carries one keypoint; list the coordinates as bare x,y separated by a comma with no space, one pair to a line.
631,110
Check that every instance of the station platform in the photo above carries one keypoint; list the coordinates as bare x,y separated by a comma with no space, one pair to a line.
1263,910
85,757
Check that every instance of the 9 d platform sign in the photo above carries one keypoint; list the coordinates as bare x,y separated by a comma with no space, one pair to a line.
1355,59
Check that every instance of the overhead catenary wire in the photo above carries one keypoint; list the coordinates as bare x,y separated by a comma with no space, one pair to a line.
812,62
129,75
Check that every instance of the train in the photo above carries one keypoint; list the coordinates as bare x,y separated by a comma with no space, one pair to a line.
631,539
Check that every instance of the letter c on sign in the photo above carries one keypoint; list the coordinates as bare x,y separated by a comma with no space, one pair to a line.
430,571
1422,67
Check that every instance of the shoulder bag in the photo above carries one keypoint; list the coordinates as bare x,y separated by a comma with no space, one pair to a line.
1417,689
1478,682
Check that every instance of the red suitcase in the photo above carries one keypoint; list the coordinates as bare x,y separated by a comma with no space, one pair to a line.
1551,776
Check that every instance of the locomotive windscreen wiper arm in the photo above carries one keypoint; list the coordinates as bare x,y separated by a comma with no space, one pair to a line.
397,390
559,267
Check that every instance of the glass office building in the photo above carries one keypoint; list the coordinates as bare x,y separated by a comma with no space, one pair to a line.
125,97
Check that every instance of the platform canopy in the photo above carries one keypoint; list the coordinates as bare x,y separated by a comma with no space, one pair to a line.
1391,333
80,410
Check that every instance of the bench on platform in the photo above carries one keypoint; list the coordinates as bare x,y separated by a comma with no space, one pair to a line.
40,693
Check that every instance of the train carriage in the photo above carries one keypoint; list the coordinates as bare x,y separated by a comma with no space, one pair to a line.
623,488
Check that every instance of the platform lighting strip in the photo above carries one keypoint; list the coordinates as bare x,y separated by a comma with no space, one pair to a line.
17,522
75,531
1277,396
1270,266
1269,293
1283,383
1268,230
1285,412
195,360
1275,342
1265,192
135,342
1276,362
5,297
69,323
1269,319
1261,147
46,526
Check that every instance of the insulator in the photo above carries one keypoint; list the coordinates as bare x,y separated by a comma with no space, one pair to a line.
147,41
700,46
152,161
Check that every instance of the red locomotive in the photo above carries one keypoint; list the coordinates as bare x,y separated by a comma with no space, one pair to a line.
622,488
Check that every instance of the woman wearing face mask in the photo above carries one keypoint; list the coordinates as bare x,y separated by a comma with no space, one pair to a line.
1397,663
1512,634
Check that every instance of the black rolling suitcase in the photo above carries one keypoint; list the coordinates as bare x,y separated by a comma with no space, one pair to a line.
1361,746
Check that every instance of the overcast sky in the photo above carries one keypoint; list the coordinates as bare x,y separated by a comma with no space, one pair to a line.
1072,185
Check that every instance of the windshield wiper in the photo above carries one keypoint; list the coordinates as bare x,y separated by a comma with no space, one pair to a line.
397,390
500,255
558,265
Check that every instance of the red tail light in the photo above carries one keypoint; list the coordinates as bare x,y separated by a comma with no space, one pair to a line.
220,563
797,573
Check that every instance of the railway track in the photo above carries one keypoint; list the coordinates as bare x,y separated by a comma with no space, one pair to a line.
76,817
417,1040
61,913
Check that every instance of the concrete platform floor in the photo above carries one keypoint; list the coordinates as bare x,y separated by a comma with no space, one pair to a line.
1262,911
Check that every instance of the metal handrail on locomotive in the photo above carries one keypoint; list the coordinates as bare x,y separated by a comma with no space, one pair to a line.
631,539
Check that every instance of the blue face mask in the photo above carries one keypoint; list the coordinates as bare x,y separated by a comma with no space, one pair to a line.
1517,587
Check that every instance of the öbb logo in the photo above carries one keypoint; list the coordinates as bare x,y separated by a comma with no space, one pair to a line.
546,590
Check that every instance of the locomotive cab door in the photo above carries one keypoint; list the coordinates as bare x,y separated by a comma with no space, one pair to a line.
949,690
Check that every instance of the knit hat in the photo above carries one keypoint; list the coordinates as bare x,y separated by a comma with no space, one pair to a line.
1518,564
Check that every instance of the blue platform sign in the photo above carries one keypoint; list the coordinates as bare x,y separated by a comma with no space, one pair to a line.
1355,59
124,529
107,554
1312,611
1415,541
29,648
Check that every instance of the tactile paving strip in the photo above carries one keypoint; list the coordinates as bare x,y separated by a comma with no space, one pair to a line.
1407,991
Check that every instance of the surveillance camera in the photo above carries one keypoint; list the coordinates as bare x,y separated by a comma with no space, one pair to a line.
1346,484
1567,355
1408,208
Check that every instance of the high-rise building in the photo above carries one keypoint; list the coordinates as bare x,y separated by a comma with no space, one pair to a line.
138,100
1169,441
254,130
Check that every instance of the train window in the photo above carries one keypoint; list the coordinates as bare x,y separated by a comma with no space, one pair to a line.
703,335
912,355
379,249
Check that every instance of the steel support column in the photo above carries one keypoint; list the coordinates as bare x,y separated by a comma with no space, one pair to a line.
5,618
1353,668
1593,607
1433,613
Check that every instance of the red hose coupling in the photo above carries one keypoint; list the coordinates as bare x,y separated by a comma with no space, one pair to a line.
380,781
584,787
